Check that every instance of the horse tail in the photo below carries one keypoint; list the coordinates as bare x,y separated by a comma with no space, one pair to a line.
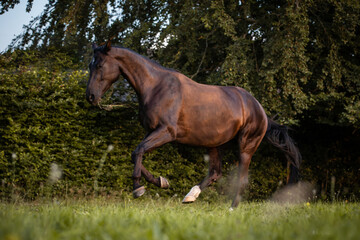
278,136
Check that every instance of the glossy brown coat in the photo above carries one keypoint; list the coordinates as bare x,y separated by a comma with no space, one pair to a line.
175,108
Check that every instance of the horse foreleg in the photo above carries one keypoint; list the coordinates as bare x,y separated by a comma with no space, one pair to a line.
155,139
213,175
160,181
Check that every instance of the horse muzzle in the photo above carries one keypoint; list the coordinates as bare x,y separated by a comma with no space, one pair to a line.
92,99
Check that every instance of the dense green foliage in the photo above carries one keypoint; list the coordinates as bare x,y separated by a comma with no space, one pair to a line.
161,219
299,58
45,119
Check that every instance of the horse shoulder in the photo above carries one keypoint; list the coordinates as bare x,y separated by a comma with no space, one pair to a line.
163,102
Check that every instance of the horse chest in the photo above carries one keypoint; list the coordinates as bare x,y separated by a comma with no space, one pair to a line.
154,115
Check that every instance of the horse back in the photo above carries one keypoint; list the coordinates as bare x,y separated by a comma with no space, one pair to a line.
213,115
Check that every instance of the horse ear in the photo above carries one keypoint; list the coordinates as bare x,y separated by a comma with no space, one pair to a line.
108,45
94,46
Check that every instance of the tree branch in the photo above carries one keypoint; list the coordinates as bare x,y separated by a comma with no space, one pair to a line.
203,57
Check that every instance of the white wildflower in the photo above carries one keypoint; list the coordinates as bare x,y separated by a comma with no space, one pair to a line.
110,148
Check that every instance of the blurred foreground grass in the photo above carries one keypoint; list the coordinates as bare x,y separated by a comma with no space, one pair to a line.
169,219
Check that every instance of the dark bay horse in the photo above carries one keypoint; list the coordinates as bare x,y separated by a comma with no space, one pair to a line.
175,108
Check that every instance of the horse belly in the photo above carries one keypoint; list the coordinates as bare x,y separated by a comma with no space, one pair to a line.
209,129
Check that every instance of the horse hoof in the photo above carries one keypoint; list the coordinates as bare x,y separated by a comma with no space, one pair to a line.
188,199
139,192
164,182
192,195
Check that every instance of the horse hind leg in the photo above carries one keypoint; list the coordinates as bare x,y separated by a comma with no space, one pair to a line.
215,171
214,174
242,178
248,145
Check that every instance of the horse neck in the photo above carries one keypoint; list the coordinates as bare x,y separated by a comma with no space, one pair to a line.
137,70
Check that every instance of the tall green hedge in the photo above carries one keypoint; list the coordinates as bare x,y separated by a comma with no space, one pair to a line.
46,124
46,120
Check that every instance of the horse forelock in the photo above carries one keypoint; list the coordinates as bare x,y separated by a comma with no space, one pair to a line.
96,55
101,49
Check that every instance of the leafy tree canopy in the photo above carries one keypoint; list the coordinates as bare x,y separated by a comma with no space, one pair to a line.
300,58
5,5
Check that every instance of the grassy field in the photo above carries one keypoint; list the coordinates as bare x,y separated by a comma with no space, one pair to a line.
169,219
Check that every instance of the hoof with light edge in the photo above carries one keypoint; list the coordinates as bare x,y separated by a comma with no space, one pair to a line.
139,192
192,195
164,183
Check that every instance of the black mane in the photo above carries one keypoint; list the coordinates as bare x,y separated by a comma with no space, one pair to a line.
153,62
102,49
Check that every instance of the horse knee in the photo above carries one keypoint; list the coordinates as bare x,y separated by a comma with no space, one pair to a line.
136,155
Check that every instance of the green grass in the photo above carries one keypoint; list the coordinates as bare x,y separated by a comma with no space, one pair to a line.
169,219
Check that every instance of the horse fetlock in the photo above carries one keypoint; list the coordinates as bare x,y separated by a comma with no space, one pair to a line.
216,177
136,178
244,182
192,195
236,201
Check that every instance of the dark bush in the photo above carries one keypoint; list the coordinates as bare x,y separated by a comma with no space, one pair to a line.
46,127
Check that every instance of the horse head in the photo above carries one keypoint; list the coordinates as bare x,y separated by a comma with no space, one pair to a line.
104,71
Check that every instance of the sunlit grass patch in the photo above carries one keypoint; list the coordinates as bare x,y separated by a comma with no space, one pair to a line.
169,219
